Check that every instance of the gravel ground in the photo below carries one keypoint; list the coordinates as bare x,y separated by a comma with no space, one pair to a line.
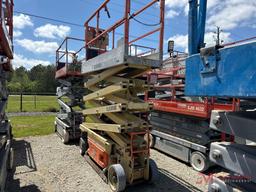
45,164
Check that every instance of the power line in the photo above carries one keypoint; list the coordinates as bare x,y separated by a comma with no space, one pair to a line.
143,23
120,5
153,15
71,23
49,19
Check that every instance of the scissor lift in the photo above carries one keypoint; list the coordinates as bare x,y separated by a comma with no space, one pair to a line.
69,92
114,134
6,54
180,124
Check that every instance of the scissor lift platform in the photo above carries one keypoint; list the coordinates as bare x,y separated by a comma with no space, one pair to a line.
120,56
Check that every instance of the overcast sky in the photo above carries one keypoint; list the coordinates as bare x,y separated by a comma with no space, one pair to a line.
36,40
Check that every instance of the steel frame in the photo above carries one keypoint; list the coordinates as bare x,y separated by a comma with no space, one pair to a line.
63,67
237,158
6,54
240,184
6,47
126,22
230,122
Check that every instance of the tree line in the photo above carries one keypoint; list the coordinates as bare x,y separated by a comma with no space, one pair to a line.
39,79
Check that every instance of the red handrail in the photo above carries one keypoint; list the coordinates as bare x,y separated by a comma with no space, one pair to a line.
126,21
6,33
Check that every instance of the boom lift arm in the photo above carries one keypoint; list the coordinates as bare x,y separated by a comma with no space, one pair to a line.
225,71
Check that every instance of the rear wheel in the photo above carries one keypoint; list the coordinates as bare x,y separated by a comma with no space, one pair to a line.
83,146
153,171
116,177
199,161
55,127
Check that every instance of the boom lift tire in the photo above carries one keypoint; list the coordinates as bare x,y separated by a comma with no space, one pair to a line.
55,126
65,138
116,177
153,171
199,161
152,140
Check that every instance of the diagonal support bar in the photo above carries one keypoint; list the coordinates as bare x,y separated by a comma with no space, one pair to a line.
107,91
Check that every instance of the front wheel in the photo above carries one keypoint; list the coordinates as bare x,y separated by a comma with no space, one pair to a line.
151,139
199,161
65,137
83,146
10,159
116,178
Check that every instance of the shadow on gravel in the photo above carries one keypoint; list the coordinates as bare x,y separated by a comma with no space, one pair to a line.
23,157
167,182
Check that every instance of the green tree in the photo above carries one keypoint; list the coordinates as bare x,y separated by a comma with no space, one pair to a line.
39,79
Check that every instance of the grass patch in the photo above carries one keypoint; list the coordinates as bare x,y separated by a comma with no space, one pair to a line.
43,103
24,126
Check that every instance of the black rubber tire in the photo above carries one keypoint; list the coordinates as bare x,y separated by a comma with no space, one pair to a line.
153,172
10,162
116,178
199,161
65,137
83,146
55,127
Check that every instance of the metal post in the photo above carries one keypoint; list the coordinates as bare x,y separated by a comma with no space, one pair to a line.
21,101
127,21
201,23
35,101
67,52
1,9
11,24
192,27
218,41
98,23
113,39
161,38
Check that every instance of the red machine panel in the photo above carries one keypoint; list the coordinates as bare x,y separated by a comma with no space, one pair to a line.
169,84
98,154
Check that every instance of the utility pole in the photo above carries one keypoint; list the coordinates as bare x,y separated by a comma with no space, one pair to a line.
218,32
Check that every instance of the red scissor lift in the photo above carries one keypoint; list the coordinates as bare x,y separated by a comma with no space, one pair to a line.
181,124
6,54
